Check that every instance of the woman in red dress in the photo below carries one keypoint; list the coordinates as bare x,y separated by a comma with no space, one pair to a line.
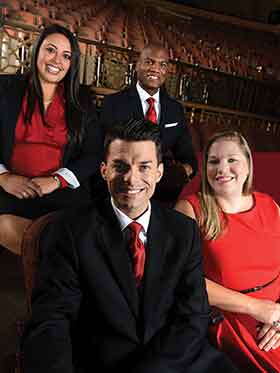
50,141
241,254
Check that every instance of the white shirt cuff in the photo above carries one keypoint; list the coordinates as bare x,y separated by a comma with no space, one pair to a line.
3,169
68,175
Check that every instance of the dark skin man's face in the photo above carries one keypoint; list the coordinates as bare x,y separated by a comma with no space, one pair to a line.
152,69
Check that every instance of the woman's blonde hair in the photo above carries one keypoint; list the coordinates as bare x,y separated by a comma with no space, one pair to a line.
210,220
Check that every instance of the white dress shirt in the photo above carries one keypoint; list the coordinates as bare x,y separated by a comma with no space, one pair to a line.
125,220
68,175
143,97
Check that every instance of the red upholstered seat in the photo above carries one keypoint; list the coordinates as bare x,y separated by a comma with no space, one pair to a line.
31,251
23,16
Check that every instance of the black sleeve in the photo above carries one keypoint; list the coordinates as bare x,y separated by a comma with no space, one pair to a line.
183,149
5,82
90,155
8,85
107,113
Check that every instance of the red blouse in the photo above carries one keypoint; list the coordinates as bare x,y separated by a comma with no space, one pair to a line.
38,149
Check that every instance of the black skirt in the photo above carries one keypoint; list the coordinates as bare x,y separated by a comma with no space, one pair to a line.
36,207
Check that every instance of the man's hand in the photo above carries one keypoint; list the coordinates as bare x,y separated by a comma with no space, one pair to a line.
19,186
47,184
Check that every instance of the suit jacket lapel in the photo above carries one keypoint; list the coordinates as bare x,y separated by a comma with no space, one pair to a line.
74,115
11,112
136,103
163,107
118,256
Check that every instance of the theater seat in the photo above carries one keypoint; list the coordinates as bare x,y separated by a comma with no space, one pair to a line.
30,256
29,18
31,252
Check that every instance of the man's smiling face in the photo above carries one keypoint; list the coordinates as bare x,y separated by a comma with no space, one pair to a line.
131,171
152,68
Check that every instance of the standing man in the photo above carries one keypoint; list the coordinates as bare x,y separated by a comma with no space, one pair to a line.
122,289
148,99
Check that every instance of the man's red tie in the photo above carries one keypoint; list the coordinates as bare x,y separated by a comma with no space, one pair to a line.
151,112
138,251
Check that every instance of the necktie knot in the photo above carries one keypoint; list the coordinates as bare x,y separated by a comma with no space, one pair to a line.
150,101
135,228
138,251
151,114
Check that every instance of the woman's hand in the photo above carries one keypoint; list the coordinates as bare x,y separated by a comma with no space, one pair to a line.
19,186
264,310
268,337
47,184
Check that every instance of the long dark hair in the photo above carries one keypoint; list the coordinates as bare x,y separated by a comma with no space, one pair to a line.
71,82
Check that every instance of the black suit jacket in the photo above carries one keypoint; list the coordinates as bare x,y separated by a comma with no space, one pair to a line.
86,310
82,159
126,104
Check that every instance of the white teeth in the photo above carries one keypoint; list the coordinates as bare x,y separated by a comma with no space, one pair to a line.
53,69
134,191
153,77
224,178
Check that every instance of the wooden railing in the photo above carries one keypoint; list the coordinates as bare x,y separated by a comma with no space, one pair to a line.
112,67
262,132
213,100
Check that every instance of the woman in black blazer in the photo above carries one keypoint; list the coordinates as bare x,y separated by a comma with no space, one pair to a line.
50,141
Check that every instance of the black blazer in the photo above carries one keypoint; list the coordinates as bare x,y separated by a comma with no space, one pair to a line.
86,309
83,160
126,104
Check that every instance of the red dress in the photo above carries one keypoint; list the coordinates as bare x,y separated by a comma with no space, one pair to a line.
247,254
38,149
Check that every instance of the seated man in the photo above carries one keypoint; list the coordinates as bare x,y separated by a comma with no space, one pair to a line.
122,289
149,99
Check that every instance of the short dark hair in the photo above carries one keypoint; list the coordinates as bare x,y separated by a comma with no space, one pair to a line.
134,130
155,46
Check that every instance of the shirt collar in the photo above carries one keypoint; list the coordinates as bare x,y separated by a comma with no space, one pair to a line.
144,95
125,220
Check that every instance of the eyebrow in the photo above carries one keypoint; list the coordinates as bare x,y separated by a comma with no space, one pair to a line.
122,160
154,59
118,161
228,155
53,45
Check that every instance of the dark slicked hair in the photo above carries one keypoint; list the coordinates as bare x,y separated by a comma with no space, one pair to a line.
134,130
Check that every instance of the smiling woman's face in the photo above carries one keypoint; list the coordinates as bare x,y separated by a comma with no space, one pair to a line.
54,59
227,167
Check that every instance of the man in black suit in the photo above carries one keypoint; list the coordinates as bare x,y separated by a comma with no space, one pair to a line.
89,312
152,70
